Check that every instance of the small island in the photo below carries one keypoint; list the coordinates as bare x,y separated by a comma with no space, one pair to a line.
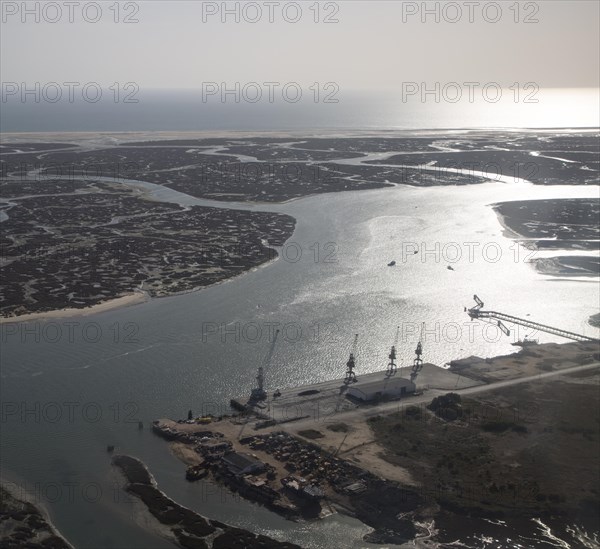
186,528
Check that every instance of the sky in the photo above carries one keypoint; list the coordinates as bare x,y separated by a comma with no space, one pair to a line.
370,46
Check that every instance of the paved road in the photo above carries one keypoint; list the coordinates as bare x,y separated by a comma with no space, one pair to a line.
370,411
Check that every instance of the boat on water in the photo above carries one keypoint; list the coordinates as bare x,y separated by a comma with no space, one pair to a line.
391,263
302,488
196,472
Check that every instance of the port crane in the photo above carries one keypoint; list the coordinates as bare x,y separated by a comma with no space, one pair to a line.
477,312
392,368
351,364
418,362
259,392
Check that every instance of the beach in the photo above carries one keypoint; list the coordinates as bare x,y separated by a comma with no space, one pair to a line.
117,303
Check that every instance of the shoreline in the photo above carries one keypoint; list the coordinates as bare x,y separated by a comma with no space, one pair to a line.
551,266
292,506
179,524
139,297
391,476
507,232
20,497
295,133
135,298
128,300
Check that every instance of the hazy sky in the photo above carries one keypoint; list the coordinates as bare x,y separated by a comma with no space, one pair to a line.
371,47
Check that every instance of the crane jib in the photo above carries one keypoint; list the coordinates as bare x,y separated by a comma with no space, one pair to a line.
477,312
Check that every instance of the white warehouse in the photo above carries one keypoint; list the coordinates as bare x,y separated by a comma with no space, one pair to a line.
393,387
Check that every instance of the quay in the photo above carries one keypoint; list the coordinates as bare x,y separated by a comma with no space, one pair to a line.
331,397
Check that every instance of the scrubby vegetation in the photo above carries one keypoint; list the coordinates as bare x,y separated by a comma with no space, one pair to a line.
503,456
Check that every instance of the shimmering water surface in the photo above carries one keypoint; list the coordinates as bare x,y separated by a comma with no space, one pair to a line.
163,357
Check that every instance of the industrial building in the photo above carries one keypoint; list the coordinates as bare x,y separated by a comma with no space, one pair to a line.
370,388
242,464
393,387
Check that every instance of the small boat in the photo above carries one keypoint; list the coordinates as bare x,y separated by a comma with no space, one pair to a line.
110,448
196,472
391,263
450,267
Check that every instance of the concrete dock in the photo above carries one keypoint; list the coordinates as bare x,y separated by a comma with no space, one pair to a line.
329,397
